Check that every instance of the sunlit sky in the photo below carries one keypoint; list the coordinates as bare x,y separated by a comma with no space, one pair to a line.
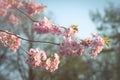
67,12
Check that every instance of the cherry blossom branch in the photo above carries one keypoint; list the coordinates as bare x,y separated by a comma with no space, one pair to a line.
70,46
29,39
23,49
26,15
33,19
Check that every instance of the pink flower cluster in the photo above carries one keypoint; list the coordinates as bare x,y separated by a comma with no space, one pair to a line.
39,59
72,46
9,40
68,33
96,45
7,5
36,58
52,63
45,26
33,8
4,6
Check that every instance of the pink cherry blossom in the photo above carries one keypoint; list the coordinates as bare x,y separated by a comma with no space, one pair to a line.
36,58
97,45
3,7
9,40
70,32
33,8
88,40
16,4
43,55
52,63
45,26
56,30
10,4
3,12
71,47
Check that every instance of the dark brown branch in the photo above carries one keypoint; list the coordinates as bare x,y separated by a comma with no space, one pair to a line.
27,15
30,40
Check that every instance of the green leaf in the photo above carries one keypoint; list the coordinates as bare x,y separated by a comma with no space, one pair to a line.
83,43
106,41
75,27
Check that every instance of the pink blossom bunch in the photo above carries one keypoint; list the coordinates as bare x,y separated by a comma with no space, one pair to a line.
16,4
45,26
9,40
3,12
7,5
4,6
56,30
70,48
38,59
33,8
70,32
52,63
12,4
96,45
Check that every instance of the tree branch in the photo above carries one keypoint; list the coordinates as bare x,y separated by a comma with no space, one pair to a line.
27,15
28,39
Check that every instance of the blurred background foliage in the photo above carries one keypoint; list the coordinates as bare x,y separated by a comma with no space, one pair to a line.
106,66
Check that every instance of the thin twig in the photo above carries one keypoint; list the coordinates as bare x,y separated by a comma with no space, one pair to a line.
27,15
23,49
32,18
29,39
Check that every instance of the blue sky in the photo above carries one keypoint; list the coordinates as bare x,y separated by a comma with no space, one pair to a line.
67,12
